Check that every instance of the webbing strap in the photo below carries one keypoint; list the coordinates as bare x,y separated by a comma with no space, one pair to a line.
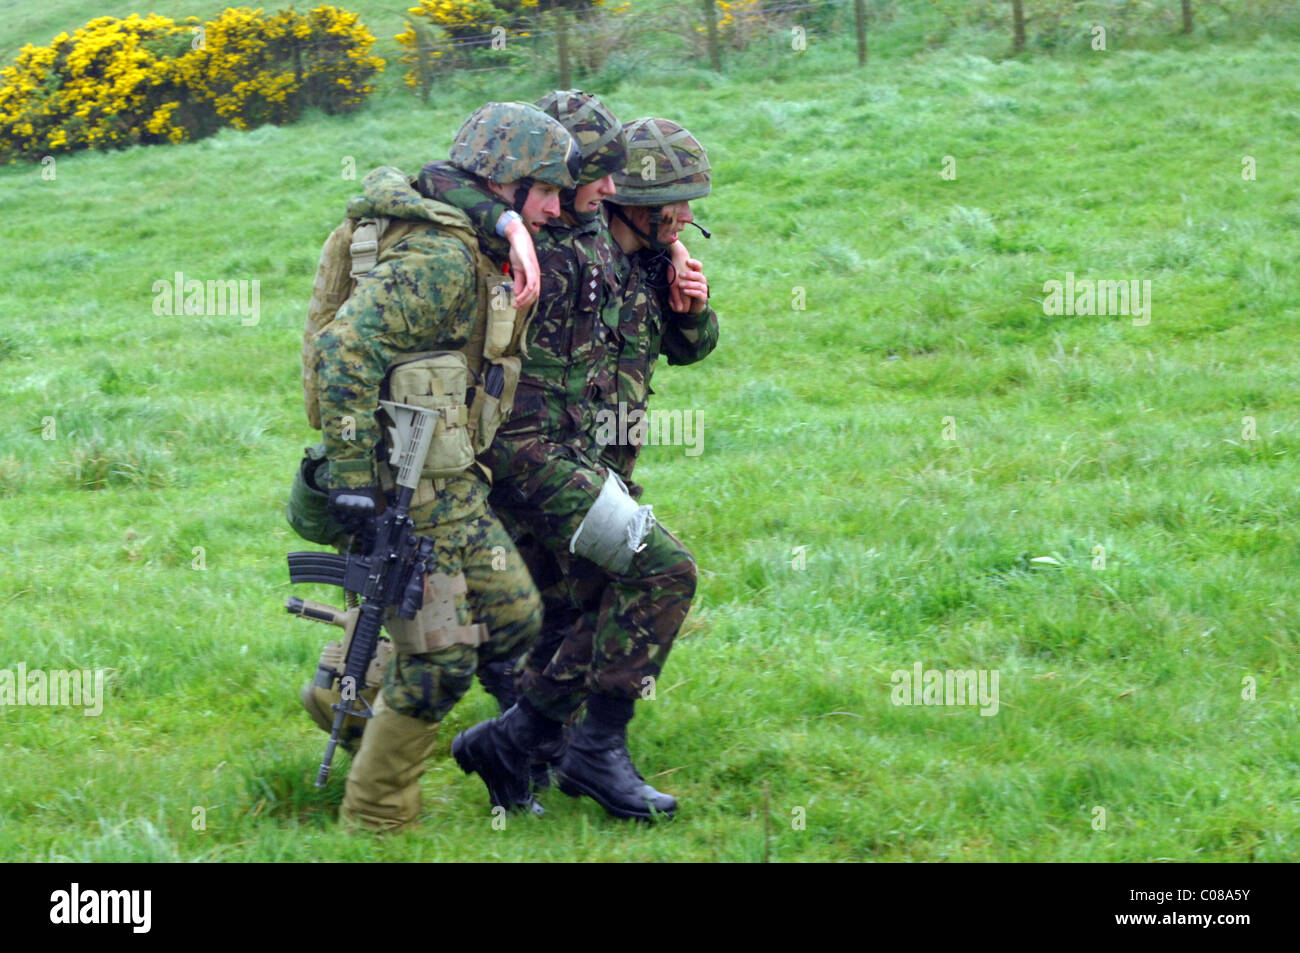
475,414
588,108
665,144
474,635
365,245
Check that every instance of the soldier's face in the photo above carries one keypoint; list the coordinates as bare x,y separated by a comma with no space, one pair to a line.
543,202
672,219
588,197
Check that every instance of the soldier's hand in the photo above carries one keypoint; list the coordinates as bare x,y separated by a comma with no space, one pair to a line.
691,288
355,509
679,256
523,264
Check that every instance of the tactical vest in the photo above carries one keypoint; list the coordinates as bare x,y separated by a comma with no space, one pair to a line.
472,388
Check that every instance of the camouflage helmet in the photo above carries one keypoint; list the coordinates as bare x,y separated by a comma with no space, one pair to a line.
599,135
665,164
507,142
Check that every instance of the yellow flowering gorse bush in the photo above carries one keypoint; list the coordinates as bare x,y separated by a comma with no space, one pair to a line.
739,20
111,83
149,79
459,30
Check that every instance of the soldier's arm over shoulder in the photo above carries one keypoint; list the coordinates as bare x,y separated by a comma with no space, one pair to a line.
688,337
420,297
446,183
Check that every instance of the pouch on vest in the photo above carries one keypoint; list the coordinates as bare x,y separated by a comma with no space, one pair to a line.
438,382
501,320
500,378
308,509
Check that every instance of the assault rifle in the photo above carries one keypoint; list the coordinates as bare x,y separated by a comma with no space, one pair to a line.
388,572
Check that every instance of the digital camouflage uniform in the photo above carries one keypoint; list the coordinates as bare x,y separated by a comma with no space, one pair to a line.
593,342
422,295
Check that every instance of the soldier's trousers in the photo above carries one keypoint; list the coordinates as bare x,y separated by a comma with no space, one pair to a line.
603,632
501,595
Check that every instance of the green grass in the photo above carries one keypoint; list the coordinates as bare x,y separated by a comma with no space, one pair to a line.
1120,688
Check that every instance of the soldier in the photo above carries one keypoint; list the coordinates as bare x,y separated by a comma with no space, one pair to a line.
630,584
426,292
571,340
667,169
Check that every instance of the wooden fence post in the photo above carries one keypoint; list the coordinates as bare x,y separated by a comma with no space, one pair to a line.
711,22
860,16
562,45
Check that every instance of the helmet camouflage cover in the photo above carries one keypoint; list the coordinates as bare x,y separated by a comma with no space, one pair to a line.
665,164
598,133
506,142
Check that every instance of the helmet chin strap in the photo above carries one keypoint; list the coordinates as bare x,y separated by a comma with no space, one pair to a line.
656,217
568,205
521,193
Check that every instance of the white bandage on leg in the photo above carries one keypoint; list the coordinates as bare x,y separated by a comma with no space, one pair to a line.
614,529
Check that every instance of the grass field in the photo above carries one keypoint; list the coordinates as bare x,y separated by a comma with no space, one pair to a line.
882,470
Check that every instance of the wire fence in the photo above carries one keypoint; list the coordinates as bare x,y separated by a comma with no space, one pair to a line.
665,16
583,41
683,36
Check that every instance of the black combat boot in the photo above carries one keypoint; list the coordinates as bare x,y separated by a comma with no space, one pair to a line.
498,680
545,758
500,752
596,763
